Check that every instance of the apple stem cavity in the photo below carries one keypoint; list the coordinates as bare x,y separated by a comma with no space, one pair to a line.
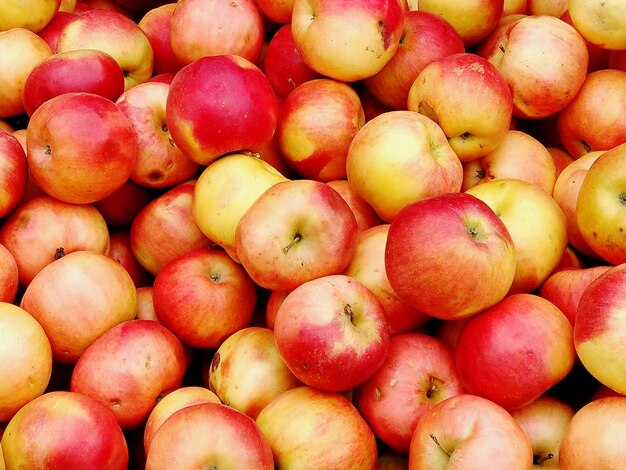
436,441
425,109
432,388
59,253
297,237
349,312
541,459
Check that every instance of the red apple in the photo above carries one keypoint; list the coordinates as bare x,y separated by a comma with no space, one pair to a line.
9,276
120,208
156,25
145,304
365,214
13,173
51,32
121,251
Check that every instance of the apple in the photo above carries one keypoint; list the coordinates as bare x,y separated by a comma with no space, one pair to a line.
617,60
401,157
546,7
9,276
43,228
156,23
544,75
295,231
129,46
425,37
27,357
120,207
103,295
278,11
593,119
514,7
33,16
444,276
165,229
81,147
108,5
599,207
209,435
220,104
20,52
561,159
13,171
121,251
469,432
274,300
199,29
519,156
600,22
225,190
67,6
203,297
365,215
535,223
51,32
145,304
368,267
317,123
347,40
141,5
598,55
418,373
247,371
129,368
312,429
62,429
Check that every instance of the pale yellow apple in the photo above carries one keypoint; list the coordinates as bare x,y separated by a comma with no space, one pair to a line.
546,7
33,15
514,7
601,22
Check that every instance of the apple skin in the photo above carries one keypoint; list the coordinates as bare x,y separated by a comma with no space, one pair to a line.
27,357
86,70
312,429
9,276
541,356
13,173
476,251
425,37
600,23
129,367
365,215
92,144
48,428
408,149
145,304
220,104
418,373
31,16
347,53
561,158
469,432
155,23
120,208
278,11
121,251
296,231
198,436
247,372
617,60
593,119
51,32
599,209
597,425
317,123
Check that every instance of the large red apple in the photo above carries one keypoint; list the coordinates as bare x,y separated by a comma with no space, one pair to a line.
13,172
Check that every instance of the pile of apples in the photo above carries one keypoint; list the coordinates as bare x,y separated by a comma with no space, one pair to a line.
312,234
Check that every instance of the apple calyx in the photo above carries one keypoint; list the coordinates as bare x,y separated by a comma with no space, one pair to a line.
59,253
296,239
539,460
47,150
474,233
436,441
586,147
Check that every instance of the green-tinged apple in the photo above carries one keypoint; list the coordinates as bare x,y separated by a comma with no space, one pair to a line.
156,23
443,276
203,297
473,19
220,104
87,70
283,64
419,373
473,127
600,22
170,404
600,209
544,61
103,295
62,429
129,368
544,421
199,29
514,373
43,228
317,123
368,267
33,16
296,231
311,429
165,228
209,435
536,224
80,147
332,332
425,37
519,156
225,190
160,163
26,357
399,158
471,433
593,440
120,208
9,276
21,51
347,51
13,172
121,251
594,119
247,371
365,214
129,45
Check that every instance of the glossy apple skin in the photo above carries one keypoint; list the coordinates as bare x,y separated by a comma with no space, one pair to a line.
32,16
540,357
88,70
365,215
13,172
51,32
48,428
120,208
121,251
600,23
9,276
220,104
156,25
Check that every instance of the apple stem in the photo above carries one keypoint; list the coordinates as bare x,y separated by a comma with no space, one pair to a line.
59,253
436,441
349,312
541,460
297,237
432,388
